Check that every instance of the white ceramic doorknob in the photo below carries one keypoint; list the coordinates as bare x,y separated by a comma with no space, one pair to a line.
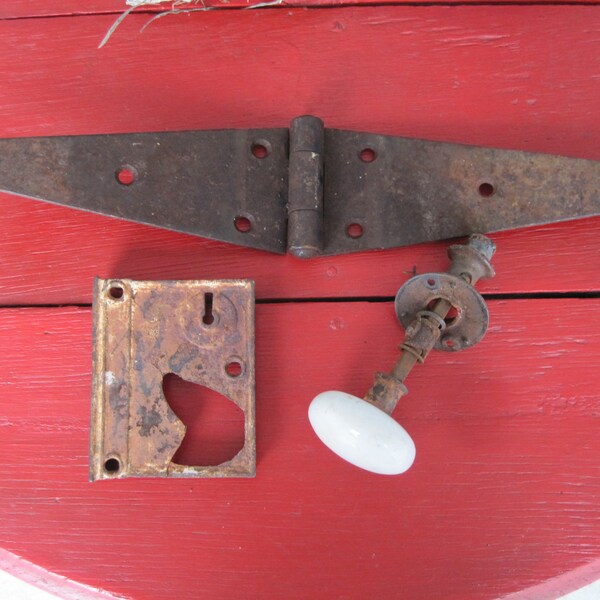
361,433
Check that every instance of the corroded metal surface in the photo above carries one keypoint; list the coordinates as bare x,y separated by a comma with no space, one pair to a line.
307,190
144,330
305,198
197,182
468,325
437,310
415,191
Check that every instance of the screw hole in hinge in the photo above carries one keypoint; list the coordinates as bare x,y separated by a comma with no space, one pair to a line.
355,230
112,466
367,155
242,224
261,149
126,175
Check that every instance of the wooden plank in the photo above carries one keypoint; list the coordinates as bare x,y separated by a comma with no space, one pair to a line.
18,9
22,579
15,9
525,77
585,581
504,493
51,254
522,77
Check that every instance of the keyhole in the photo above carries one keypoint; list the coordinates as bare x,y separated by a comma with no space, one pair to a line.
208,318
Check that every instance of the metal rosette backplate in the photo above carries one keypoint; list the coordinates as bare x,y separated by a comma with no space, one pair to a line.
464,328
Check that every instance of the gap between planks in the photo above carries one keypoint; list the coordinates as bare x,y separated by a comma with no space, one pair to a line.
349,299
306,4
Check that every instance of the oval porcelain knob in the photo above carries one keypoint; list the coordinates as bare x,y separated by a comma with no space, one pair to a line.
361,433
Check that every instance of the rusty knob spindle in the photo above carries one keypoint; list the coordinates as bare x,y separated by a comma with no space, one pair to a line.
437,310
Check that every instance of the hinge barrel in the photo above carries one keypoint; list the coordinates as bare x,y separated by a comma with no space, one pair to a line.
305,194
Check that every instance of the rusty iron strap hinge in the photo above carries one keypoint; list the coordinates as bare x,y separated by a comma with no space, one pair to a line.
306,190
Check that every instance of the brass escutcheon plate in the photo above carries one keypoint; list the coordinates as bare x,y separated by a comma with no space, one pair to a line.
144,330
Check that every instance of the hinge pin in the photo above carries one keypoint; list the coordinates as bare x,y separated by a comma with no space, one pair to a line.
305,194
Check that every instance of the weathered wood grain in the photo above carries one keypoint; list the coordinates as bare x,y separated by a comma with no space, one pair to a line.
504,493
14,9
520,77
50,256
523,77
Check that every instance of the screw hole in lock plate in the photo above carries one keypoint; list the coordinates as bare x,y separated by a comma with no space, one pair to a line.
234,368
112,466
116,292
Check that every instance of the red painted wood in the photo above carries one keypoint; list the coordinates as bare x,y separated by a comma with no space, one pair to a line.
51,254
521,77
19,9
12,9
516,77
562,585
45,580
505,491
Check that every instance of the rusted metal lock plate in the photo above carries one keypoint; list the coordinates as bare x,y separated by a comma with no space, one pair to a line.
144,330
